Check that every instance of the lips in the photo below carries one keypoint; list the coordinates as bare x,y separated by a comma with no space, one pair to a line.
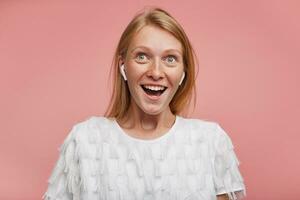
154,90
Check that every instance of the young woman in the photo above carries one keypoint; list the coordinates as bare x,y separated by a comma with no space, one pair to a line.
142,148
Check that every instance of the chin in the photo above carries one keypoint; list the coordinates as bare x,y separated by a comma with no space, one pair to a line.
152,109
155,108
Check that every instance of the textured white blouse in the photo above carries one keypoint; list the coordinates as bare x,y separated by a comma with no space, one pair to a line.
194,160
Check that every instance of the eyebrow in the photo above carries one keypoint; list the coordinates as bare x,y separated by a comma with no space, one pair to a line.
144,47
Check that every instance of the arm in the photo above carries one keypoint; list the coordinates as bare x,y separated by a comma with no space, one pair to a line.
228,181
222,197
64,180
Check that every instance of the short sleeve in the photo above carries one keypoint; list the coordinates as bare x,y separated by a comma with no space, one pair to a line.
64,182
227,177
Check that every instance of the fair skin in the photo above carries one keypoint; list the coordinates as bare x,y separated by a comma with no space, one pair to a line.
151,62
222,197
154,65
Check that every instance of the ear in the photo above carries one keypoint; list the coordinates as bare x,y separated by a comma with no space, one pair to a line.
122,71
121,67
120,60
183,75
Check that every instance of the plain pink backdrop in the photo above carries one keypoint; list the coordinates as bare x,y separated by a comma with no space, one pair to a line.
55,58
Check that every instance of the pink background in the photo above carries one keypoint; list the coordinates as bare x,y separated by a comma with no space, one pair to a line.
55,57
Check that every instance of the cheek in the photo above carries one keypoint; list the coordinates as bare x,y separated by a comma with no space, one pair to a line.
175,78
134,74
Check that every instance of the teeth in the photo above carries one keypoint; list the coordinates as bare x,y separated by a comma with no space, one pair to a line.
155,88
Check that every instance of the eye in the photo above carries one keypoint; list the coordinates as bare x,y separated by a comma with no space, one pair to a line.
141,57
171,59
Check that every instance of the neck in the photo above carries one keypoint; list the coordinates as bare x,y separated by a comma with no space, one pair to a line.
139,120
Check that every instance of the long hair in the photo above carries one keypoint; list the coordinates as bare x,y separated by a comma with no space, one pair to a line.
120,98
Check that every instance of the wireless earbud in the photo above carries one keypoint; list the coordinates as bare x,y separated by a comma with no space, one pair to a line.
183,75
122,71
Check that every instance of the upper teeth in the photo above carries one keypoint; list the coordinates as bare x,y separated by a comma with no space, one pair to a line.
156,88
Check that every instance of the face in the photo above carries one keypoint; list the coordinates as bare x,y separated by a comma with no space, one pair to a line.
154,68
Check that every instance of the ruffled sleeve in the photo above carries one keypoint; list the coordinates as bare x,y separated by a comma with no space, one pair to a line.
64,182
227,177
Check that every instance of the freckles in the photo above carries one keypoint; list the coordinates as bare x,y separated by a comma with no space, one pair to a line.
175,77
135,72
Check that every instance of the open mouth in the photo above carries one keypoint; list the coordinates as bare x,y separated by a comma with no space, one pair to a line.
154,90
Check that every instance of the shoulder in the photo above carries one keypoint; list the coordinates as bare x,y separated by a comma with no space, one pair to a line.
85,136
88,129
201,125
209,129
92,121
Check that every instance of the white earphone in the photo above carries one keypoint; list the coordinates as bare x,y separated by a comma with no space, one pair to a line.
123,72
183,75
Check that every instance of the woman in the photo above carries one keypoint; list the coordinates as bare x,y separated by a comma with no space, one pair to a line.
142,148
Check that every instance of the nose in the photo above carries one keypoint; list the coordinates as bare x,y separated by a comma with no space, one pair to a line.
155,71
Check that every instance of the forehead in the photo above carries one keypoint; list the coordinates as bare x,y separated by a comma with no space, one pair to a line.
156,39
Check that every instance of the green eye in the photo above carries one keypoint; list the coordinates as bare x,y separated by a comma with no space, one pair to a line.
171,59
141,57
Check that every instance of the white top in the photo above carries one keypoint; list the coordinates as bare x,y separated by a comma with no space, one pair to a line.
194,160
